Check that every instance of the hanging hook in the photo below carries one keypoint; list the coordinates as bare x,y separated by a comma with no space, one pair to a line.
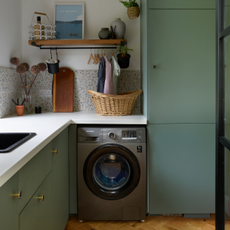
56,53
51,53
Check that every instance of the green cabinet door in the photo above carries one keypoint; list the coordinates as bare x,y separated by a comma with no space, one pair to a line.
181,168
60,183
181,66
9,204
182,4
37,213
34,172
72,169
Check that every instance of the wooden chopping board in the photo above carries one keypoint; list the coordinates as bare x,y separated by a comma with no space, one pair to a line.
63,90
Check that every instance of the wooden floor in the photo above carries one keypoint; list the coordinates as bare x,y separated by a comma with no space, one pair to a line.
151,223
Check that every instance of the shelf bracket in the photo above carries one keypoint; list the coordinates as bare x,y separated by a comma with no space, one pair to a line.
34,44
122,43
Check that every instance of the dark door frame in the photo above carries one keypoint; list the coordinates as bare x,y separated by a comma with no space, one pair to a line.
221,142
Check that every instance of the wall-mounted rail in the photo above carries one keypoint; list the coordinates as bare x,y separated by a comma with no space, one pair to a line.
78,44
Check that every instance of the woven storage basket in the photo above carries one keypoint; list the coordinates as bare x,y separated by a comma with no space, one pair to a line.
114,105
133,12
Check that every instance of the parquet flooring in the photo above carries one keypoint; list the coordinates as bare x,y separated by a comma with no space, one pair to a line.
151,223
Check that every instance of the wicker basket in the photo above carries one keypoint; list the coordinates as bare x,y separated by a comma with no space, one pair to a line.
133,12
114,105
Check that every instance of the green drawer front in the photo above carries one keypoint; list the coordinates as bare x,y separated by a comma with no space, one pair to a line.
183,4
34,172
36,214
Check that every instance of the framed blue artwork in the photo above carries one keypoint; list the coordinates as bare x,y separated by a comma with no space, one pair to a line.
69,20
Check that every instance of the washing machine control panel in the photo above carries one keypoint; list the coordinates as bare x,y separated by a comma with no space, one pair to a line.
111,135
129,134
124,135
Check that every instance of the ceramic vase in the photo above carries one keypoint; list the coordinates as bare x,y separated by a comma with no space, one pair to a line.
104,33
119,28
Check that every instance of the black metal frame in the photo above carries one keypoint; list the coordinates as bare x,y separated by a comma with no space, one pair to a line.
221,141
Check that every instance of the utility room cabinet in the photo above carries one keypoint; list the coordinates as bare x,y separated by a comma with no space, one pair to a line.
43,182
9,204
178,59
36,214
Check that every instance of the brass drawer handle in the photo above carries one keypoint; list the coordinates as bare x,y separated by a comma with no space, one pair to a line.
55,151
42,198
18,195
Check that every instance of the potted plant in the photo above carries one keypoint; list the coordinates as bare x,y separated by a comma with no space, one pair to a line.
123,56
133,9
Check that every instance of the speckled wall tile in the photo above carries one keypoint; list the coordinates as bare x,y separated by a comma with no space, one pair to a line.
10,87
43,81
130,81
85,79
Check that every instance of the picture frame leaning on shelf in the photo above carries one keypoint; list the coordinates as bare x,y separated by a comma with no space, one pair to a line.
69,20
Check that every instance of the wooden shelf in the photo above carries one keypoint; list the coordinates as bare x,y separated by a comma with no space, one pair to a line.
85,42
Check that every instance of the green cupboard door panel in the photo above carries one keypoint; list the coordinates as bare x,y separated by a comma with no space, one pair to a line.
182,4
144,55
60,188
36,214
181,169
182,47
9,205
34,172
72,132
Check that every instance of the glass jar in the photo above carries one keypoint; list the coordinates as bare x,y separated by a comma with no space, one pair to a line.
29,96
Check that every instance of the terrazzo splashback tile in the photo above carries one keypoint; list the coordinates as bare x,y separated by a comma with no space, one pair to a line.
43,81
10,87
87,79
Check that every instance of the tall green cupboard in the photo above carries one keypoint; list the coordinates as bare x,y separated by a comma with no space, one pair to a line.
178,72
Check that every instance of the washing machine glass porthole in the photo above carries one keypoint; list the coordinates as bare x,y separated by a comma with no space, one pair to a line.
111,172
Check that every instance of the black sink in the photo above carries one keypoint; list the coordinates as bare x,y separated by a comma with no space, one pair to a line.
10,141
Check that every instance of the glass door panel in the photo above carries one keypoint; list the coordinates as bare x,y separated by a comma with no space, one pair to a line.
226,112
227,188
226,86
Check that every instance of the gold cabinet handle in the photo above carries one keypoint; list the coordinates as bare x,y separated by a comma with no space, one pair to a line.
18,195
55,151
42,198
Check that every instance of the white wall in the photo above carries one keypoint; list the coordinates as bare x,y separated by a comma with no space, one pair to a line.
98,14
10,31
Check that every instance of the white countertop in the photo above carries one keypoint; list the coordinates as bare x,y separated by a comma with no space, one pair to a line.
47,126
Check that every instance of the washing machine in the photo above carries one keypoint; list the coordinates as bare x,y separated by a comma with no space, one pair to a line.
111,173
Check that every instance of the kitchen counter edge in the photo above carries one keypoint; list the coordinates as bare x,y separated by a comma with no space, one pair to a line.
47,126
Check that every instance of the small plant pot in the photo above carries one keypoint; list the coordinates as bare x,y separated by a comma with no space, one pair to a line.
133,12
53,67
19,110
123,61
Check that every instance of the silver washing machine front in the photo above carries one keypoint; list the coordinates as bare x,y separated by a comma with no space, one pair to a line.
111,173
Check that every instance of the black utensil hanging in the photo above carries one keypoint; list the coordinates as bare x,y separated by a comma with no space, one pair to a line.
53,67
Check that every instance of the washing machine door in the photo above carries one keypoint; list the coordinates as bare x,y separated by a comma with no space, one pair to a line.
111,172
